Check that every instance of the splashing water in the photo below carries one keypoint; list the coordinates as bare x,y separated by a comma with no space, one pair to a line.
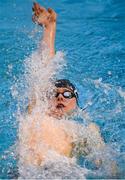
104,102
96,55
39,78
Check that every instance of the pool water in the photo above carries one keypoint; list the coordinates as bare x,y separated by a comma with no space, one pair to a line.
91,35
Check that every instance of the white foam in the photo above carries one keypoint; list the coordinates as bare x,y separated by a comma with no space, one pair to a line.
39,76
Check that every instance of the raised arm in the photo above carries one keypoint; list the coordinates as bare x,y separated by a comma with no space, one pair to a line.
46,19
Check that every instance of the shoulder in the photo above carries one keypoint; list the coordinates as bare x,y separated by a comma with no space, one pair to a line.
93,127
95,133
94,130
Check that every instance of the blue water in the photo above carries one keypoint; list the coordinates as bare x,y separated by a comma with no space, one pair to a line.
92,35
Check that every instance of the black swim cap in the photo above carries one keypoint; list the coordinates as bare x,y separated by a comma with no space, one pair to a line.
65,83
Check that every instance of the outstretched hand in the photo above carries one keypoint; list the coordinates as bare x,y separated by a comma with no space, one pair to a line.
43,16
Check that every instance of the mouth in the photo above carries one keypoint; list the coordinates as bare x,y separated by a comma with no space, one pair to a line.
60,106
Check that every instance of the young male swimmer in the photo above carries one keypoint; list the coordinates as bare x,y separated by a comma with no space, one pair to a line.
48,133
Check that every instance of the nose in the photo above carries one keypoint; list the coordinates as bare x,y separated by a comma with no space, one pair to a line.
60,97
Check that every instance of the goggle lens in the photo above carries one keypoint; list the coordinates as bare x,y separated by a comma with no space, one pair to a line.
66,94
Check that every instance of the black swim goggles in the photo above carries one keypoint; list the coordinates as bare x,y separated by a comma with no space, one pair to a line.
66,94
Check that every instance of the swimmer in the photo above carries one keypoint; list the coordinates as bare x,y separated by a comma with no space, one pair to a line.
40,137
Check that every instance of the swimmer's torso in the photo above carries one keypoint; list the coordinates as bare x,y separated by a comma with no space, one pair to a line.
54,135
40,136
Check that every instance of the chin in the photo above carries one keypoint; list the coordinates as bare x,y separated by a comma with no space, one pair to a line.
59,112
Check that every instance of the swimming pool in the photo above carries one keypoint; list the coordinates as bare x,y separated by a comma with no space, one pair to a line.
91,33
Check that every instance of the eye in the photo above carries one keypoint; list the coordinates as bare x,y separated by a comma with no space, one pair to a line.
67,94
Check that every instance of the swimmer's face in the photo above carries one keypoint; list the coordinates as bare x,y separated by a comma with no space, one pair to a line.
63,101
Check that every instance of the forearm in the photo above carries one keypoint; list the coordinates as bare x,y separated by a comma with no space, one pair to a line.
49,38
46,18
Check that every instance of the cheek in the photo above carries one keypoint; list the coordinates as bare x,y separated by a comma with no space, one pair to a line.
71,104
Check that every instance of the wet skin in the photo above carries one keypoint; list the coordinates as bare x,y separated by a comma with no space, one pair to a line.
60,105
39,134
50,131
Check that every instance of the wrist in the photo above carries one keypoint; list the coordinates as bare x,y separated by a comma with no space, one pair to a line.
50,26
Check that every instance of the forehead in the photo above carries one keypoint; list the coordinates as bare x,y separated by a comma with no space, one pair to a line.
63,89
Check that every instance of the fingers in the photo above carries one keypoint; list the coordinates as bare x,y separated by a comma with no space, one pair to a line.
37,9
50,10
42,9
36,6
52,13
41,15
